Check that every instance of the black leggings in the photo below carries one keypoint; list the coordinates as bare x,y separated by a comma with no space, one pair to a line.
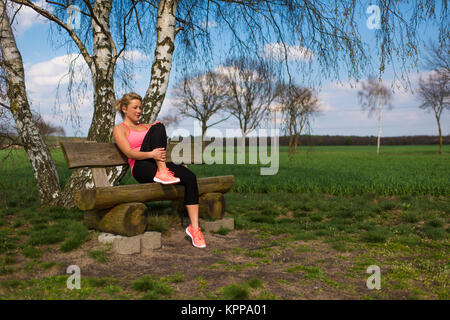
145,170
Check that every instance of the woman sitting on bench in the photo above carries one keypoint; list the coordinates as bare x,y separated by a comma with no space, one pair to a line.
144,145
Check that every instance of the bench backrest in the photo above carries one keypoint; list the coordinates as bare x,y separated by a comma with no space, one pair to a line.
97,156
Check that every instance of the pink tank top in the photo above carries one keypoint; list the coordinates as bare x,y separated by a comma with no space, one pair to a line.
135,139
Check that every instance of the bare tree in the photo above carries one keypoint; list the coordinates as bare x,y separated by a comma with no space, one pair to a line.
201,96
250,90
14,77
434,93
46,127
298,105
170,120
372,96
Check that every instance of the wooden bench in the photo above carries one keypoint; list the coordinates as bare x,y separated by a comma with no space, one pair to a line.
121,209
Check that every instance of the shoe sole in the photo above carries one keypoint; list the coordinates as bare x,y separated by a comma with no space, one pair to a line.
190,235
165,182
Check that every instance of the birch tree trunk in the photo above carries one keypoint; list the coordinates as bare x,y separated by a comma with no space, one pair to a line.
438,120
38,152
103,120
162,63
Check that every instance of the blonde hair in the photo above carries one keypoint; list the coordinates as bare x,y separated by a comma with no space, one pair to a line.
125,101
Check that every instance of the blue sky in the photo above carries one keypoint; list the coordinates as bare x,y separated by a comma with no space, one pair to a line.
45,67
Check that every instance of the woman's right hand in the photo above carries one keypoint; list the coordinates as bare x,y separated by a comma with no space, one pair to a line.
158,154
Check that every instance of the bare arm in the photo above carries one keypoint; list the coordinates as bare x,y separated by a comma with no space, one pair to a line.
120,137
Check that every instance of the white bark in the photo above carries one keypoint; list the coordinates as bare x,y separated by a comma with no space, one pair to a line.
379,127
38,153
162,63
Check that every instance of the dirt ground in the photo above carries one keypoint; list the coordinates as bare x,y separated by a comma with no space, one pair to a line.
225,260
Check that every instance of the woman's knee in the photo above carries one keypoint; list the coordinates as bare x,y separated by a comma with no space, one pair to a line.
158,126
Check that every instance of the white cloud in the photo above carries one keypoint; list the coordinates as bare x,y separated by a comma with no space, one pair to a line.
26,17
55,71
293,53
135,55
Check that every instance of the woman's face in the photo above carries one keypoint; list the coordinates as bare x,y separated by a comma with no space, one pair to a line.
133,111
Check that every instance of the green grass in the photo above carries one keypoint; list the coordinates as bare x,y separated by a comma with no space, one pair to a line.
394,206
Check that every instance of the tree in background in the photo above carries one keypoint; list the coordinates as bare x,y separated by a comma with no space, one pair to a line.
434,93
46,127
372,96
201,96
434,90
251,90
298,105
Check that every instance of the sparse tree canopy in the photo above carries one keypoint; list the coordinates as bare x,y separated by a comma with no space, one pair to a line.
434,94
251,89
372,96
200,97
46,127
298,105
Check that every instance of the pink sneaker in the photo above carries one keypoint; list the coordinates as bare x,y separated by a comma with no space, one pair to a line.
196,236
165,177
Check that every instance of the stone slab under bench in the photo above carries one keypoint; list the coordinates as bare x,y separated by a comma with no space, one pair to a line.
132,245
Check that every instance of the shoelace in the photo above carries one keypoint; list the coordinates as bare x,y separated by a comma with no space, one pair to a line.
170,173
197,234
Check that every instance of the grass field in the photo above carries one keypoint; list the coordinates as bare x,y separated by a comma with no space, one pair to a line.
309,232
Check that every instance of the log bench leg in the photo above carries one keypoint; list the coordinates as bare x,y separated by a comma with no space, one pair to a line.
211,206
127,219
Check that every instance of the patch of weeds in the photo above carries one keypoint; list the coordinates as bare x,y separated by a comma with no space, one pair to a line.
7,242
434,233
160,223
18,223
282,281
217,251
31,252
436,222
99,255
4,270
309,272
410,240
411,216
237,250
222,231
9,259
175,278
46,235
154,289
255,254
77,234
303,248
266,295
12,284
235,292
202,284
262,219
255,283
101,282
112,289
48,265
305,235
376,235
239,267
